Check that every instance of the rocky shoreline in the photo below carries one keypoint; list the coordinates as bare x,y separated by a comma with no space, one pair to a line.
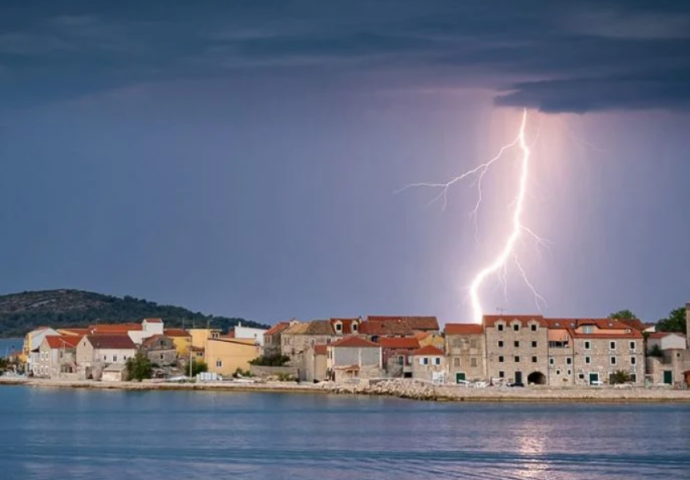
406,389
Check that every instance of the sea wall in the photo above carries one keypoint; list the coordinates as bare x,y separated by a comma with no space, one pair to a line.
259,371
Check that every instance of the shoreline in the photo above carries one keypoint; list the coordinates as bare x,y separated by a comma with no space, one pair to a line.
391,388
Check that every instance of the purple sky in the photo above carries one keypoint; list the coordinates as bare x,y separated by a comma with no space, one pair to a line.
242,160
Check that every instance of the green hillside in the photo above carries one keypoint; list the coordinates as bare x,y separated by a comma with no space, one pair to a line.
22,312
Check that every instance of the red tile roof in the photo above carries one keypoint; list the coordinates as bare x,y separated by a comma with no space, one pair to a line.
664,334
80,332
277,328
151,340
394,326
112,342
347,325
62,341
115,328
464,329
401,343
490,320
415,322
354,342
321,349
153,320
176,332
429,350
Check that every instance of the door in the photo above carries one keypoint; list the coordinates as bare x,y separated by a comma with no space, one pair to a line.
459,377
593,378
668,377
518,377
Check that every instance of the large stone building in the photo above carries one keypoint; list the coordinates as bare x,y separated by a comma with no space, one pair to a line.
95,352
517,348
354,358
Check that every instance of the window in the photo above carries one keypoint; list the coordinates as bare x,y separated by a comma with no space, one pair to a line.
437,360
633,346
569,360
500,327
534,344
587,329
612,345
534,359
570,372
558,372
456,362
424,361
500,359
355,326
613,360
516,327
105,359
516,344
517,359
162,356
501,374
473,362
581,376
500,344
338,327
588,360
552,361
219,363
401,360
534,327
633,360
633,378
588,345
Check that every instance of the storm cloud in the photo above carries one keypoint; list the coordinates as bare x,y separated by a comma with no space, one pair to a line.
565,57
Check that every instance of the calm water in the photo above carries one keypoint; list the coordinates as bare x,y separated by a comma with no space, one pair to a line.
50,434
8,345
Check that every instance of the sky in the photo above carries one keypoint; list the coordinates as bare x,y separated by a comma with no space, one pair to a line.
246,158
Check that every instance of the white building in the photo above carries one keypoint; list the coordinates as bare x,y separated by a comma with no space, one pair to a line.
149,328
248,333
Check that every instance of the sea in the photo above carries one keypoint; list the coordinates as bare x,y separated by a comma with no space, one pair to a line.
9,345
113,435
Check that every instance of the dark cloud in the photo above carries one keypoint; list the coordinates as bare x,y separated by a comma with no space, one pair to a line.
575,57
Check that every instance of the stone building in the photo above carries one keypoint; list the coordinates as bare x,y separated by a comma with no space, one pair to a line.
602,347
416,324
272,338
465,351
517,348
95,352
561,352
668,360
354,358
298,336
315,364
160,350
56,356
429,363
397,355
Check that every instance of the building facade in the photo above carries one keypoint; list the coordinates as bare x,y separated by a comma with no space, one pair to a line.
465,352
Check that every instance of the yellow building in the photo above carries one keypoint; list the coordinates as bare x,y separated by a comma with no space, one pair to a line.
225,355
428,338
182,340
200,336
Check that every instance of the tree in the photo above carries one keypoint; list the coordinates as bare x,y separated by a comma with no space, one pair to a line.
139,367
655,351
623,315
619,377
275,360
198,367
675,322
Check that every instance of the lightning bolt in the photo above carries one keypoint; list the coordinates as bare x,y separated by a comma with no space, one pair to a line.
499,264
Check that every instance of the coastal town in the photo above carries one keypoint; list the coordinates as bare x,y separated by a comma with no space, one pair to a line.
504,350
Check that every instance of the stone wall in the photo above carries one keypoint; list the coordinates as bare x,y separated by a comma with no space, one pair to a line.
259,371
597,359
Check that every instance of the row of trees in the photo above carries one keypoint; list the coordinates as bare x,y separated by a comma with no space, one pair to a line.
140,367
674,322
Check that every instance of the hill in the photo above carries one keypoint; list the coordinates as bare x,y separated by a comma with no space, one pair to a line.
22,312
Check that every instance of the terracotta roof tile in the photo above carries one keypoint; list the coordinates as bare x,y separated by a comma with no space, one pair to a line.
401,343
428,351
463,329
63,341
321,349
114,342
490,320
386,328
414,322
354,342
153,320
176,332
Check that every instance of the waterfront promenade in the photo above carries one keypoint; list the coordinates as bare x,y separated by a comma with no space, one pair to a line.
392,388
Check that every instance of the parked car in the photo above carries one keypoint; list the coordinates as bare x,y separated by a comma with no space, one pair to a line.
516,384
